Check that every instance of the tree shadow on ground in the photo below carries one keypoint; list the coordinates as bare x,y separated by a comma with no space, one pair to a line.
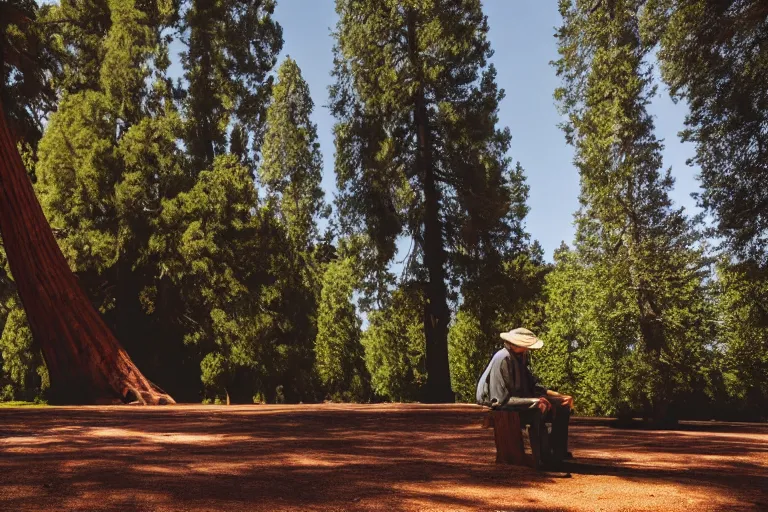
322,458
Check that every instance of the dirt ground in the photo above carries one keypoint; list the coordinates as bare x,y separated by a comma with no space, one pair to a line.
358,457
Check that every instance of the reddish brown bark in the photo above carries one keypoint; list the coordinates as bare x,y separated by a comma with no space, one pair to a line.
85,361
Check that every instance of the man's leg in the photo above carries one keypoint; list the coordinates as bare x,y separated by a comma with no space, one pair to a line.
559,436
538,436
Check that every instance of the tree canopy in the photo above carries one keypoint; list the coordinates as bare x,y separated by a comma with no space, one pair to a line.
190,206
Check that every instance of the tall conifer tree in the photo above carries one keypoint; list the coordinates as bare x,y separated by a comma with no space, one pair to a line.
629,236
418,151
291,172
713,55
292,164
742,296
231,48
338,349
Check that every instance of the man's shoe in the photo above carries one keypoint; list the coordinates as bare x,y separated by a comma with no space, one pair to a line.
557,466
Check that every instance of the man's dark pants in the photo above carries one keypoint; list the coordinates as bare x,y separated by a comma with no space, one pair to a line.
555,443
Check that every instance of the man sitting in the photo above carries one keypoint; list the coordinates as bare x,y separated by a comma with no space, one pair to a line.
507,383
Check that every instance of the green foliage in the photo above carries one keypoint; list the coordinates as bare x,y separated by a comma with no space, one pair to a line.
292,164
712,54
76,175
231,48
291,172
743,348
468,354
27,56
338,349
419,154
641,316
23,375
208,245
16,343
20,361
591,349
567,290
509,296
395,347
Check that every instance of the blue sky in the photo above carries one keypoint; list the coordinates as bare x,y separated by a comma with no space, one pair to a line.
522,35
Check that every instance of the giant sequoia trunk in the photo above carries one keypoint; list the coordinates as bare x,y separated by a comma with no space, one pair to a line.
85,361
436,312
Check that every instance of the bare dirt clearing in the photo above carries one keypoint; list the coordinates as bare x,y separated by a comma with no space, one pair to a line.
388,457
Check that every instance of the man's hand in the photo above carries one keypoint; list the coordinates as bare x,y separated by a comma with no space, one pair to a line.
564,400
544,405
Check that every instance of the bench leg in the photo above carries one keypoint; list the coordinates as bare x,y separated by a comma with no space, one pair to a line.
508,437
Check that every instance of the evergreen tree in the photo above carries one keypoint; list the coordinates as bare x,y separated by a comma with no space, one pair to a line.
712,54
507,296
291,172
395,347
418,151
173,246
468,347
592,350
649,334
213,245
231,48
23,375
22,363
743,355
567,288
292,165
338,348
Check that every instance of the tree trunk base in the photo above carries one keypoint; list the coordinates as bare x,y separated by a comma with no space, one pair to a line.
438,395
85,361
68,395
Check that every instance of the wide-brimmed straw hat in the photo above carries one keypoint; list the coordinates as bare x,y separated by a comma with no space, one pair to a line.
522,338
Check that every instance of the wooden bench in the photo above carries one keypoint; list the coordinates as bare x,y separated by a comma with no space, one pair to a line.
509,434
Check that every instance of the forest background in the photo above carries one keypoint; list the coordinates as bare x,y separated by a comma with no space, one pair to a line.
174,150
